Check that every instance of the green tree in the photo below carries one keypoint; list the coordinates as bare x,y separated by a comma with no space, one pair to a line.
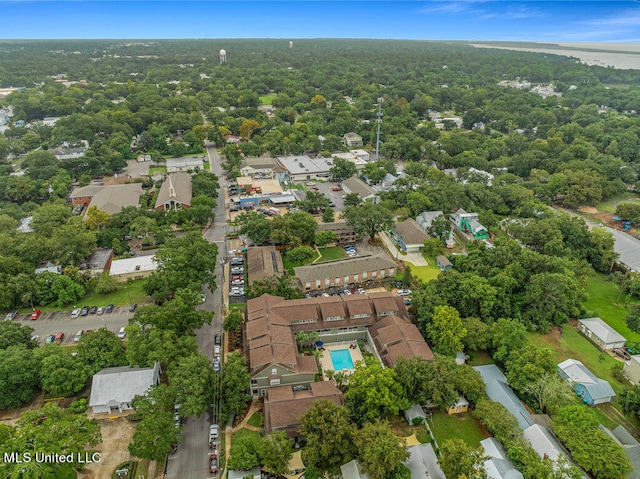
282,285
276,450
433,247
313,203
66,290
301,255
325,237
233,322
498,420
19,373
352,199
255,226
379,451
12,333
235,382
459,460
155,344
48,429
329,434
101,349
192,379
446,330
106,284
96,219
178,314
527,364
342,169
407,278
630,399
327,215
368,219
62,374
551,392
440,228
243,455
374,393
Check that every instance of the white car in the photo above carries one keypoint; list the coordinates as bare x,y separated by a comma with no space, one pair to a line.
76,313
238,282
236,293
403,292
122,333
361,291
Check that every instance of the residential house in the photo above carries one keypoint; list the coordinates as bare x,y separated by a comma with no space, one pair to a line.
352,140
283,406
498,465
99,261
364,191
591,389
343,272
443,263
49,267
415,412
498,390
68,152
629,444
112,199
113,389
397,337
409,236
631,369
352,470
423,462
543,442
82,195
175,165
137,267
175,193
601,334
302,167
262,262
345,233
425,220
468,222
461,405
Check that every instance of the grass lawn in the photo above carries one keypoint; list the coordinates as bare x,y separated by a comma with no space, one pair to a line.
610,205
119,298
331,253
465,427
238,306
425,273
288,265
267,99
602,296
573,345
157,169
244,432
142,471
401,428
256,420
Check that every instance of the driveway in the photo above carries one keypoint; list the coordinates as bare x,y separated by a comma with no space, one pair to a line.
415,259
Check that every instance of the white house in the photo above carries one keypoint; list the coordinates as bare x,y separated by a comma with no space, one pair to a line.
137,267
113,389
601,334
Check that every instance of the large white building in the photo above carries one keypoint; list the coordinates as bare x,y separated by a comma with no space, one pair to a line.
302,167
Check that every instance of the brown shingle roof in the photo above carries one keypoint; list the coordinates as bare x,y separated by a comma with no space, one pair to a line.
342,267
410,232
356,185
396,337
182,190
263,261
332,309
283,407
384,302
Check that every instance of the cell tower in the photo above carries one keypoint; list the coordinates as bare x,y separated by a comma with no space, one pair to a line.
223,56
380,100
290,44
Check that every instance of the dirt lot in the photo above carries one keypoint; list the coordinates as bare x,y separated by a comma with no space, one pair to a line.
116,435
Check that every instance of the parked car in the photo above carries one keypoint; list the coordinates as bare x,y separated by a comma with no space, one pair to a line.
237,277
203,297
216,365
78,335
237,270
122,333
218,339
213,463
76,313
236,293
58,338
216,351
109,308
11,316
361,291
336,188
93,310
403,292
622,353
50,339
36,314
310,183
101,310
407,301
214,430
235,261
35,338
133,307
332,204
238,282
84,311
233,208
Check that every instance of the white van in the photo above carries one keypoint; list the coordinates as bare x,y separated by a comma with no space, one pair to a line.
75,313
78,335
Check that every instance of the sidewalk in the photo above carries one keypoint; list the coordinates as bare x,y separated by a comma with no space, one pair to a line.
256,405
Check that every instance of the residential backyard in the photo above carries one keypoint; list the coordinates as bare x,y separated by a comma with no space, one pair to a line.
330,253
459,426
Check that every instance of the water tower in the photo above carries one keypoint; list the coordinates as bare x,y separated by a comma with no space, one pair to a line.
223,56
290,44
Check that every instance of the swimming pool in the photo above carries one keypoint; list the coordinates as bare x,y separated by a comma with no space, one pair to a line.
341,359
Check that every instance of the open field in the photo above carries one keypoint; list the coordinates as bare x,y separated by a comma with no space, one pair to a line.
267,99
602,297
425,273
610,205
462,426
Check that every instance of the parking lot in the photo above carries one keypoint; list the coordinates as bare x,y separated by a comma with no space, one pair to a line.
326,189
61,321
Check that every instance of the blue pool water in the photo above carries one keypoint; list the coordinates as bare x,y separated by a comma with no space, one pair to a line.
341,359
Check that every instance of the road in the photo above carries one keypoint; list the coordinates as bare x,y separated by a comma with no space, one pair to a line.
191,459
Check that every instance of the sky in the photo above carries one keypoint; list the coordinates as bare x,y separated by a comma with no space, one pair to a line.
525,20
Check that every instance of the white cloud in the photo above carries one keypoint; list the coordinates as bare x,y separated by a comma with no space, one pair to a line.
623,18
514,13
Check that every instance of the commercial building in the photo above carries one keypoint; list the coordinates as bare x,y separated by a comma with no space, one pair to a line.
175,165
302,167
113,389
363,190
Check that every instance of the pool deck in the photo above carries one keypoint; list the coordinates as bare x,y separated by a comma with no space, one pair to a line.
325,358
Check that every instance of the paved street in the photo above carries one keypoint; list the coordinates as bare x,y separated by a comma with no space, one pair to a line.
191,459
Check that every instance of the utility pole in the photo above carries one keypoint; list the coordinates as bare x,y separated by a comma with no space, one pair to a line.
380,100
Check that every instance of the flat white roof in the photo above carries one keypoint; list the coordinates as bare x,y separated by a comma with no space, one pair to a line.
133,265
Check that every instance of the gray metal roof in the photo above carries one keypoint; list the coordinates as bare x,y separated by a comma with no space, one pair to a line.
543,442
601,329
414,412
302,164
113,386
627,247
351,470
356,185
498,390
425,218
423,463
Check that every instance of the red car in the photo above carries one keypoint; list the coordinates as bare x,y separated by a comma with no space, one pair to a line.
336,188
36,314
315,188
